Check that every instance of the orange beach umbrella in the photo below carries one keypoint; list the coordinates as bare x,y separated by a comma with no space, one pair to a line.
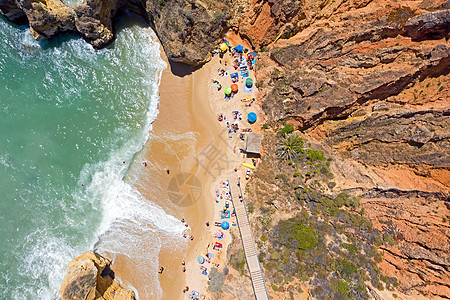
234,87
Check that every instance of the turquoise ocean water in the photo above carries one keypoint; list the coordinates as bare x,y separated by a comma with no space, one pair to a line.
70,116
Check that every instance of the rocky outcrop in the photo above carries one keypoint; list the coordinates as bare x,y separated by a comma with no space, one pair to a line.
188,30
12,12
369,87
418,255
433,25
89,277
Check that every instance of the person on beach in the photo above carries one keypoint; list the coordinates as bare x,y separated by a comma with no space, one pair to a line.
168,171
183,263
207,224
145,163
161,269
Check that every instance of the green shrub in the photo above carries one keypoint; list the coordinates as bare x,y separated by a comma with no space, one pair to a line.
261,256
388,239
215,284
293,233
250,208
315,155
275,255
350,247
287,129
346,268
343,287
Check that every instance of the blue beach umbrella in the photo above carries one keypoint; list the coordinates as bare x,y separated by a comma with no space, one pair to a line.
239,48
251,117
225,225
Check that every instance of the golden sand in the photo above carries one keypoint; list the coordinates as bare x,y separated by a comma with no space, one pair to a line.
187,138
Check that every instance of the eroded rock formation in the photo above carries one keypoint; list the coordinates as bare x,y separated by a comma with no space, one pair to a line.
188,30
89,277
367,82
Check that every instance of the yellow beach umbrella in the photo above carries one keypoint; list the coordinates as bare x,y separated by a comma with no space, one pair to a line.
223,47
248,165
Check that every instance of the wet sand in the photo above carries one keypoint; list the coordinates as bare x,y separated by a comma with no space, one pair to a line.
183,135
184,108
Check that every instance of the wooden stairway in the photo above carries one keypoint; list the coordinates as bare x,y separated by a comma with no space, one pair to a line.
251,255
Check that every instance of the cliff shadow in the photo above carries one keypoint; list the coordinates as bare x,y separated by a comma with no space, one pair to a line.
181,69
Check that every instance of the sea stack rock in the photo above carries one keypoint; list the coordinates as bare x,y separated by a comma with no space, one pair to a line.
89,277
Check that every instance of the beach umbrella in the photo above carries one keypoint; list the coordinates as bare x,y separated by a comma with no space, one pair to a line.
239,48
234,87
227,90
249,82
223,47
225,225
251,117
200,259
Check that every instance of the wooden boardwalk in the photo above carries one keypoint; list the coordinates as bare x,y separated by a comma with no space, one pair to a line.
251,255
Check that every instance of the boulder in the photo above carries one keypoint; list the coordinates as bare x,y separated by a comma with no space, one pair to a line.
89,277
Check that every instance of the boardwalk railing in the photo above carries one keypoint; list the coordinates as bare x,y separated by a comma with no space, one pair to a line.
251,255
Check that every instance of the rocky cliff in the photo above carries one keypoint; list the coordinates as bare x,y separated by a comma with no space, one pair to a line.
366,82
89,277
188,30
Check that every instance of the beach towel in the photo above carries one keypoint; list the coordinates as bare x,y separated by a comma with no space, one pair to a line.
225,215
247,89
243,68
234,75
244,74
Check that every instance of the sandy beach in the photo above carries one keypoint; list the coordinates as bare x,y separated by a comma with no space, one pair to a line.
218,158
188,140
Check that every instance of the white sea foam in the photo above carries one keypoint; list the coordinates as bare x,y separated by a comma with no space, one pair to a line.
128,224
131,225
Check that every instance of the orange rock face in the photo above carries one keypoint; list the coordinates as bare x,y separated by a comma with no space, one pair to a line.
368,81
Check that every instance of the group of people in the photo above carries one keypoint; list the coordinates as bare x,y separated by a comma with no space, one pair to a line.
241,60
